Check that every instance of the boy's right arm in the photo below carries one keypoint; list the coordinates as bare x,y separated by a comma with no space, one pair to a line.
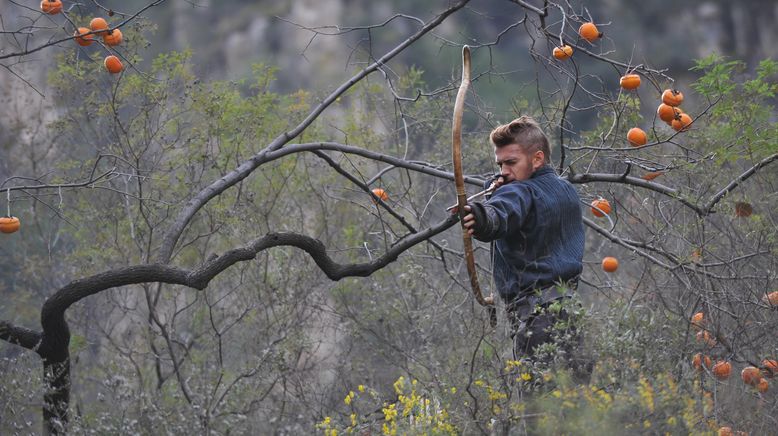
480,223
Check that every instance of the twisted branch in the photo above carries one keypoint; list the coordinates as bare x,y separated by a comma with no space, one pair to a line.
174,232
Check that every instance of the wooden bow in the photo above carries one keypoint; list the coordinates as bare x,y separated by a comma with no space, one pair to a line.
459,180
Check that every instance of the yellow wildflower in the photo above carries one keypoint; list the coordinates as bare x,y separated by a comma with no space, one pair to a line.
390,412
398,385
390,429
646,392
361,388
606,397
325,423
496,395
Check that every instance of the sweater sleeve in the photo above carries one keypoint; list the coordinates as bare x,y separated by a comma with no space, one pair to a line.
486,222
505,211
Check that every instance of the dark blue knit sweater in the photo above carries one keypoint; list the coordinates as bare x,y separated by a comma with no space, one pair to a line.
539,234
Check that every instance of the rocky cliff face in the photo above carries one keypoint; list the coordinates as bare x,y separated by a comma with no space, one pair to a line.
228,36
24,108
249,32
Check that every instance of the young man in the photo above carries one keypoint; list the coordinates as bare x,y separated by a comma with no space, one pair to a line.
534,217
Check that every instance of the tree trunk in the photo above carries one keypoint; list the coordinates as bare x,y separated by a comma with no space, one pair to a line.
56,399
55,353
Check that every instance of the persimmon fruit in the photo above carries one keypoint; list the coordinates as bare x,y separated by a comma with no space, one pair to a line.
699,360
51,7
601,207
681,122
82,38
589,32
667,113
637,137
563,52
630,81
698,320
99,25
380,193
722,370
9,224
113,64
610,264
113,38
751,375
672,97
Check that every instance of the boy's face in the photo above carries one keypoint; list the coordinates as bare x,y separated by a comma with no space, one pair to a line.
516,164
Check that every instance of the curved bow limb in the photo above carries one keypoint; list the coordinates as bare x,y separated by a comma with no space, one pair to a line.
459,180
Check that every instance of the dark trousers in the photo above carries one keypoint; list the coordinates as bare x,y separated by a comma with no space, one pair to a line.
538,328
549,323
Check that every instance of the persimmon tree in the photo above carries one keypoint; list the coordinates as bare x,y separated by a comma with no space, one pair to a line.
177,196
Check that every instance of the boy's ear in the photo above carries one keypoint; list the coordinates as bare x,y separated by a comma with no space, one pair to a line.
538,159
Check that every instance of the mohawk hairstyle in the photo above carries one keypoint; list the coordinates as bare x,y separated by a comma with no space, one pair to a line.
525,132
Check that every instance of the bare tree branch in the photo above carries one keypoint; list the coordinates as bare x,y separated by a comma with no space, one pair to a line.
56,334
381,157
247,167
58,41
20,336
621,178
199,278
735,183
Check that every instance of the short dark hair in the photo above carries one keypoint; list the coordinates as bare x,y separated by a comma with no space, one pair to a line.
525,132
